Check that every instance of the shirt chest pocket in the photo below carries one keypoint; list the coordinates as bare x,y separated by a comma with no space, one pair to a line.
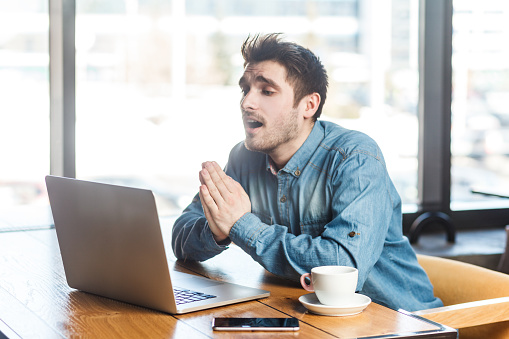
314,227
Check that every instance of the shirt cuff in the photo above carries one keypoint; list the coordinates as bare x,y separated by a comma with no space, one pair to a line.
212,243
246,230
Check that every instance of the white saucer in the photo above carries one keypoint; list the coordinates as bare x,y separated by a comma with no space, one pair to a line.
356,304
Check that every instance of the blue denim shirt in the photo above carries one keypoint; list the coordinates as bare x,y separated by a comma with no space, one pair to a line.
332,204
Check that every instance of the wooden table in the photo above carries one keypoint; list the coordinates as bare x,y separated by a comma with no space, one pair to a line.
35,302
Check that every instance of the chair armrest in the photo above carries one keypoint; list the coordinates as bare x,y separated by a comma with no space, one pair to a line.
469,314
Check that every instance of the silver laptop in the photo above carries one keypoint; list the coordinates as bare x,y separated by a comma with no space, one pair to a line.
111,245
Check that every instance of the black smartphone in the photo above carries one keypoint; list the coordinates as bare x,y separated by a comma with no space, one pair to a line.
255,324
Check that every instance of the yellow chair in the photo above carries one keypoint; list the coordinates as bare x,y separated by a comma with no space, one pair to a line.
476,299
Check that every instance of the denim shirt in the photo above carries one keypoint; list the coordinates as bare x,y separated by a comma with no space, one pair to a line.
332,204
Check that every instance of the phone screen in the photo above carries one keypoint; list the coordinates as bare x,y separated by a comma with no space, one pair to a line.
255,324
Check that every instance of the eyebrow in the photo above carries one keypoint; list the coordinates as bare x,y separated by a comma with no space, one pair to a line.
262,79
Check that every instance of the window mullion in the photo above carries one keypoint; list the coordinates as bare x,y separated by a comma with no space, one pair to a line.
62,17
435,69
435,83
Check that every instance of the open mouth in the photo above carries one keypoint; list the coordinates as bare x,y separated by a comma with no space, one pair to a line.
253,123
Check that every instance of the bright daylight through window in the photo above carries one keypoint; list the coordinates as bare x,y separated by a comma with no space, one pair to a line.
24,113
157,93
157,89
480,105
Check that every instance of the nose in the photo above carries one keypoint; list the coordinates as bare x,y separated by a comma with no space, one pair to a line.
248,101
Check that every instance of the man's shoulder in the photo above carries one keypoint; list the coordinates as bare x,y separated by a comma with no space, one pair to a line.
347,141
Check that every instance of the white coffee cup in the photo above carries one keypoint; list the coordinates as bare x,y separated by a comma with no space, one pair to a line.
333,285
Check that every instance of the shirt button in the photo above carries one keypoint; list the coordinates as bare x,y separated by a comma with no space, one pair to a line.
297,172
283,199
351,234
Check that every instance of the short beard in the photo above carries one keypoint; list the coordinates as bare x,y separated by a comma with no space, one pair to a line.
286,131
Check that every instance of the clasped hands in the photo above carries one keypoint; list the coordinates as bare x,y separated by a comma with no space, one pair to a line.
223,199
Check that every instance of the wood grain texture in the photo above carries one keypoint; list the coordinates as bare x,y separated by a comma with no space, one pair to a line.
375,320
35,301
33,284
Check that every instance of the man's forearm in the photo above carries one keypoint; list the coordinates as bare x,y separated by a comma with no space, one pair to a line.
281,252
192,238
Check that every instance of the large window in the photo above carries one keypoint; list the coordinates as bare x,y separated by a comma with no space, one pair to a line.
24,112
157,89
480,106
156,93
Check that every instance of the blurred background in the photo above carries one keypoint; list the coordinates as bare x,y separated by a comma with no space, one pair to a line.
157,93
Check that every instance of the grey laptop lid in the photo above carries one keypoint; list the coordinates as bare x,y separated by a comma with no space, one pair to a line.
111,245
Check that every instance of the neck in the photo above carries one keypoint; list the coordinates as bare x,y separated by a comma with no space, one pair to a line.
282,154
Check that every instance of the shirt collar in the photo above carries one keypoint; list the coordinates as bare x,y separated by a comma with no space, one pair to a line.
271,167
299,160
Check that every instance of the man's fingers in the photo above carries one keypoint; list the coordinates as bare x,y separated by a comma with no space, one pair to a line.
227,180
218,178
202,181
224,200
211,188
208,202
204,197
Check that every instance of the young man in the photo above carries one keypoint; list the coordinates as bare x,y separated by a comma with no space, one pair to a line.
300,193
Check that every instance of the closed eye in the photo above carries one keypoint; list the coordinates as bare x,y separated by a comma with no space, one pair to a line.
244,90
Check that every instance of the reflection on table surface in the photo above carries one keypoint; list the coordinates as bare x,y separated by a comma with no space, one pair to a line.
35,301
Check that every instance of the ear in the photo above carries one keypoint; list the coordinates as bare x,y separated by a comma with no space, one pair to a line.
312,102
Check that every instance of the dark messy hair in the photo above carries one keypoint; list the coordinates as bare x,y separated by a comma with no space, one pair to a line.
304,70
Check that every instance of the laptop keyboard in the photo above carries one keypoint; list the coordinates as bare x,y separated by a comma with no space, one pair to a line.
184,296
